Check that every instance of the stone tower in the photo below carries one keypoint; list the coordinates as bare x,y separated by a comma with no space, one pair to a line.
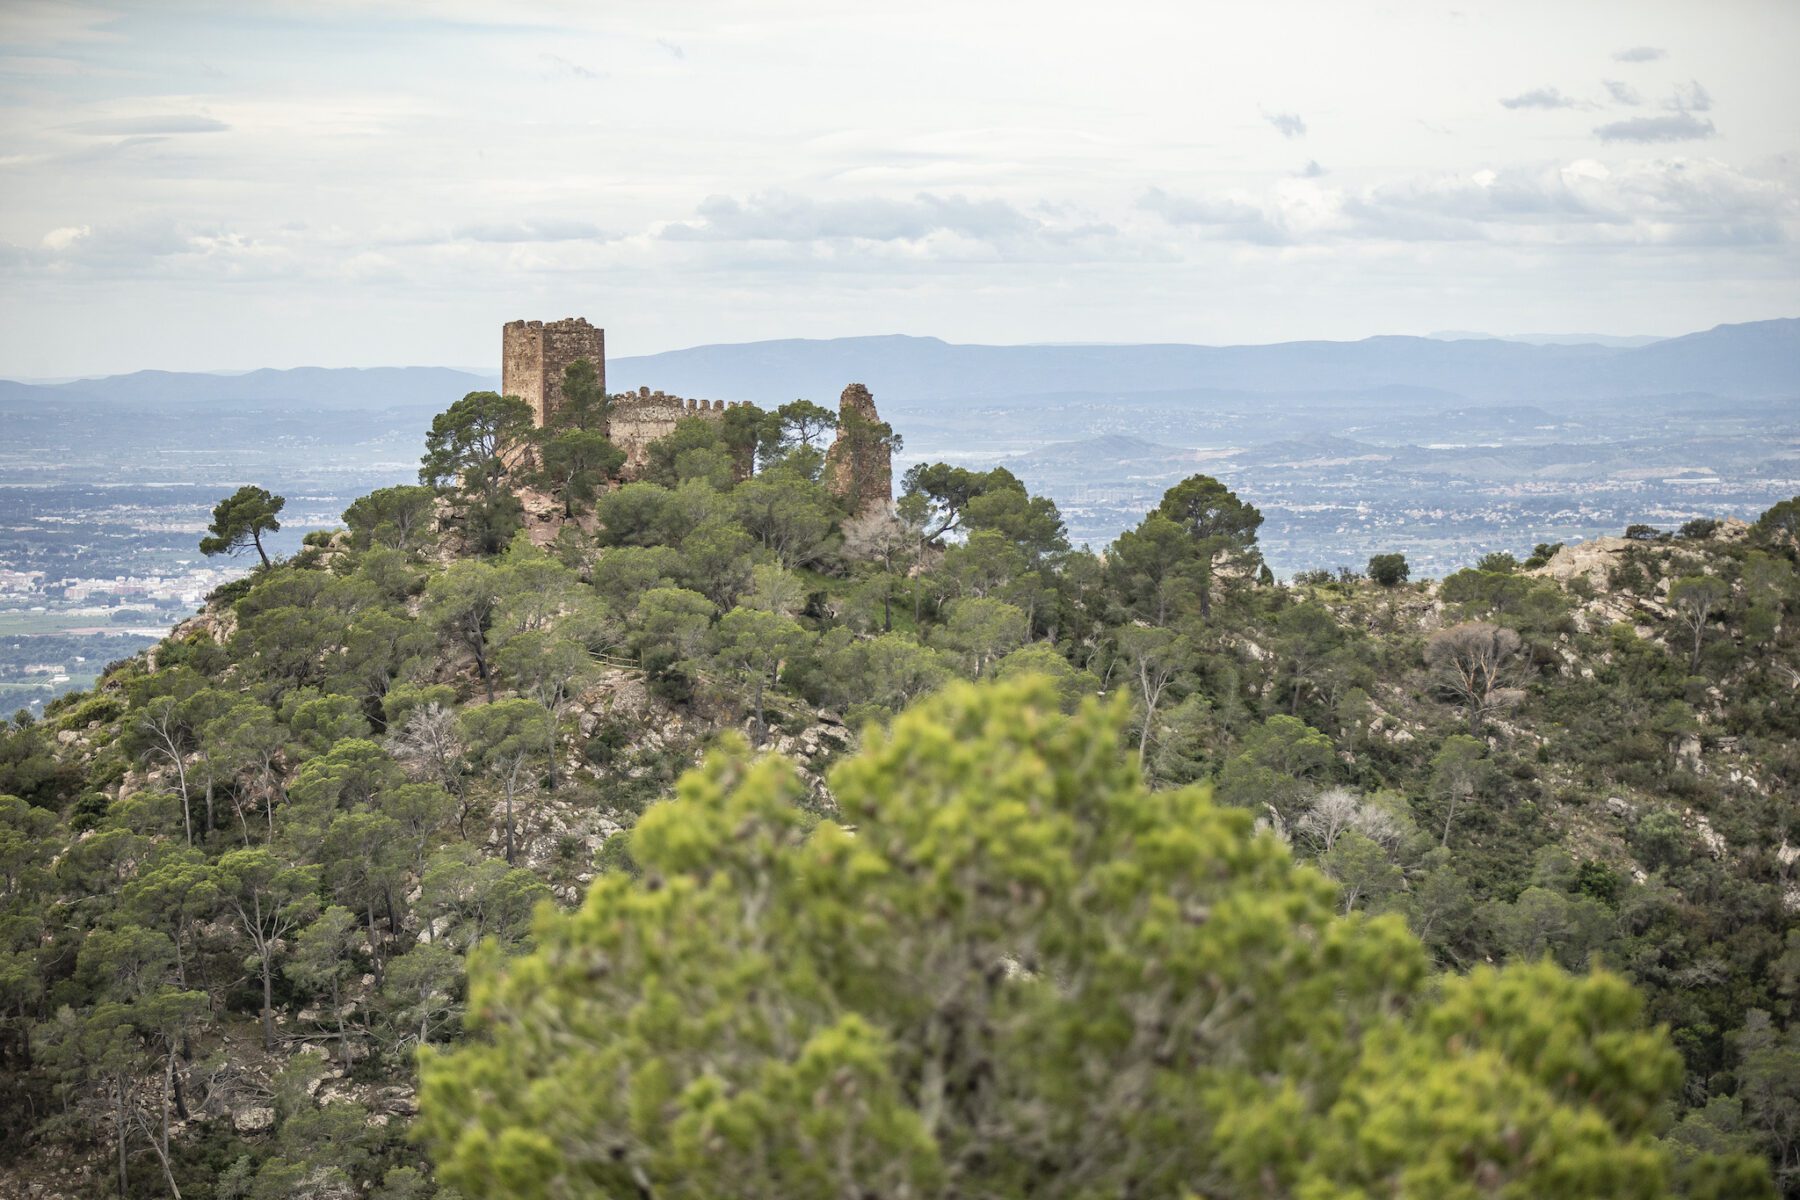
534,355
859,466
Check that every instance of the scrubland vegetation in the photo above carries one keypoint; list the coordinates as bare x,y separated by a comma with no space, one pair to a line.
544,833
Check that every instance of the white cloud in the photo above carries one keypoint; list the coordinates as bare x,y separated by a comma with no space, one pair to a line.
149,125
782,217
1288,124
529,231
1640,54
1680,127
55,23
68,235
1690,97
1544,97
1622,92
1584,202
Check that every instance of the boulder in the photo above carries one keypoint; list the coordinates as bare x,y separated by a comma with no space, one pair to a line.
256,1119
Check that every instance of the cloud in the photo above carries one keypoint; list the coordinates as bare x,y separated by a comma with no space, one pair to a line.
521,232
1622,92
134,248
1680,127
41,64
1289,124
781,217
673,49
1661,202
1640,54
1312,169
1692,98
56,23
149,126
1237,215
558,63
68,235
1544,97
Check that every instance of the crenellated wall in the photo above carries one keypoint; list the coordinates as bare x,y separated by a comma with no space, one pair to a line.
641,417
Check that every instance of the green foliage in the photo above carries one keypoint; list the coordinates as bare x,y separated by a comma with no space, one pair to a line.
788,516
750,646
508,737
397,517
1499,562
576,463
1541,554
1389,570
1276,766
1695,599
697,451
1073,927
1209,512
939,495
585,407
981,631
1781,523
240,520
472,450
299,811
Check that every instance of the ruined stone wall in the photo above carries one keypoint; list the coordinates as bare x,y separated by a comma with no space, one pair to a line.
859,467
641,417
534,355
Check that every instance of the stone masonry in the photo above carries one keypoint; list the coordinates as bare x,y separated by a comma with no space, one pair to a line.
861,474
534,355
641,417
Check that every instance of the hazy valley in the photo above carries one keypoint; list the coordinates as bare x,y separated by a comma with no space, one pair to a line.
1441,450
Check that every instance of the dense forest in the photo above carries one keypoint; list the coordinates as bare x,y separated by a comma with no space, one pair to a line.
712,830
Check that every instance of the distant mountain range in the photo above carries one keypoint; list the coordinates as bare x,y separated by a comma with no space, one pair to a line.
1757,360
1548,339
327,389
1760,360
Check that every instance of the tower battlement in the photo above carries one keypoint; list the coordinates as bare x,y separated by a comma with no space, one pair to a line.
534,355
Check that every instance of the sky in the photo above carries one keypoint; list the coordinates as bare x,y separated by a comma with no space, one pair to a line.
223,186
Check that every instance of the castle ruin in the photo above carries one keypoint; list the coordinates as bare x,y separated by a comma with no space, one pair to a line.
859,467
535,354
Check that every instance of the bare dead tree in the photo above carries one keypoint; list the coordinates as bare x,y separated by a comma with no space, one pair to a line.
1694,600
430,749
164,726
1337,811
1477,665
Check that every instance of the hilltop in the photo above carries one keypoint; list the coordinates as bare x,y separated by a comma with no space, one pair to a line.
246,872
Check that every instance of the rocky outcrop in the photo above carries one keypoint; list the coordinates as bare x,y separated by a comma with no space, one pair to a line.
1592,560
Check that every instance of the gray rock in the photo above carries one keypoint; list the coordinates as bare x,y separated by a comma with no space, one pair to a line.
253,1120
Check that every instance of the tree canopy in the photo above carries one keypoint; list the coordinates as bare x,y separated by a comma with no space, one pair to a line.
1024,974
240,520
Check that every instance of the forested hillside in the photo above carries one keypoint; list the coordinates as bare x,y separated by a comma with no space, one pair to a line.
1213,885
